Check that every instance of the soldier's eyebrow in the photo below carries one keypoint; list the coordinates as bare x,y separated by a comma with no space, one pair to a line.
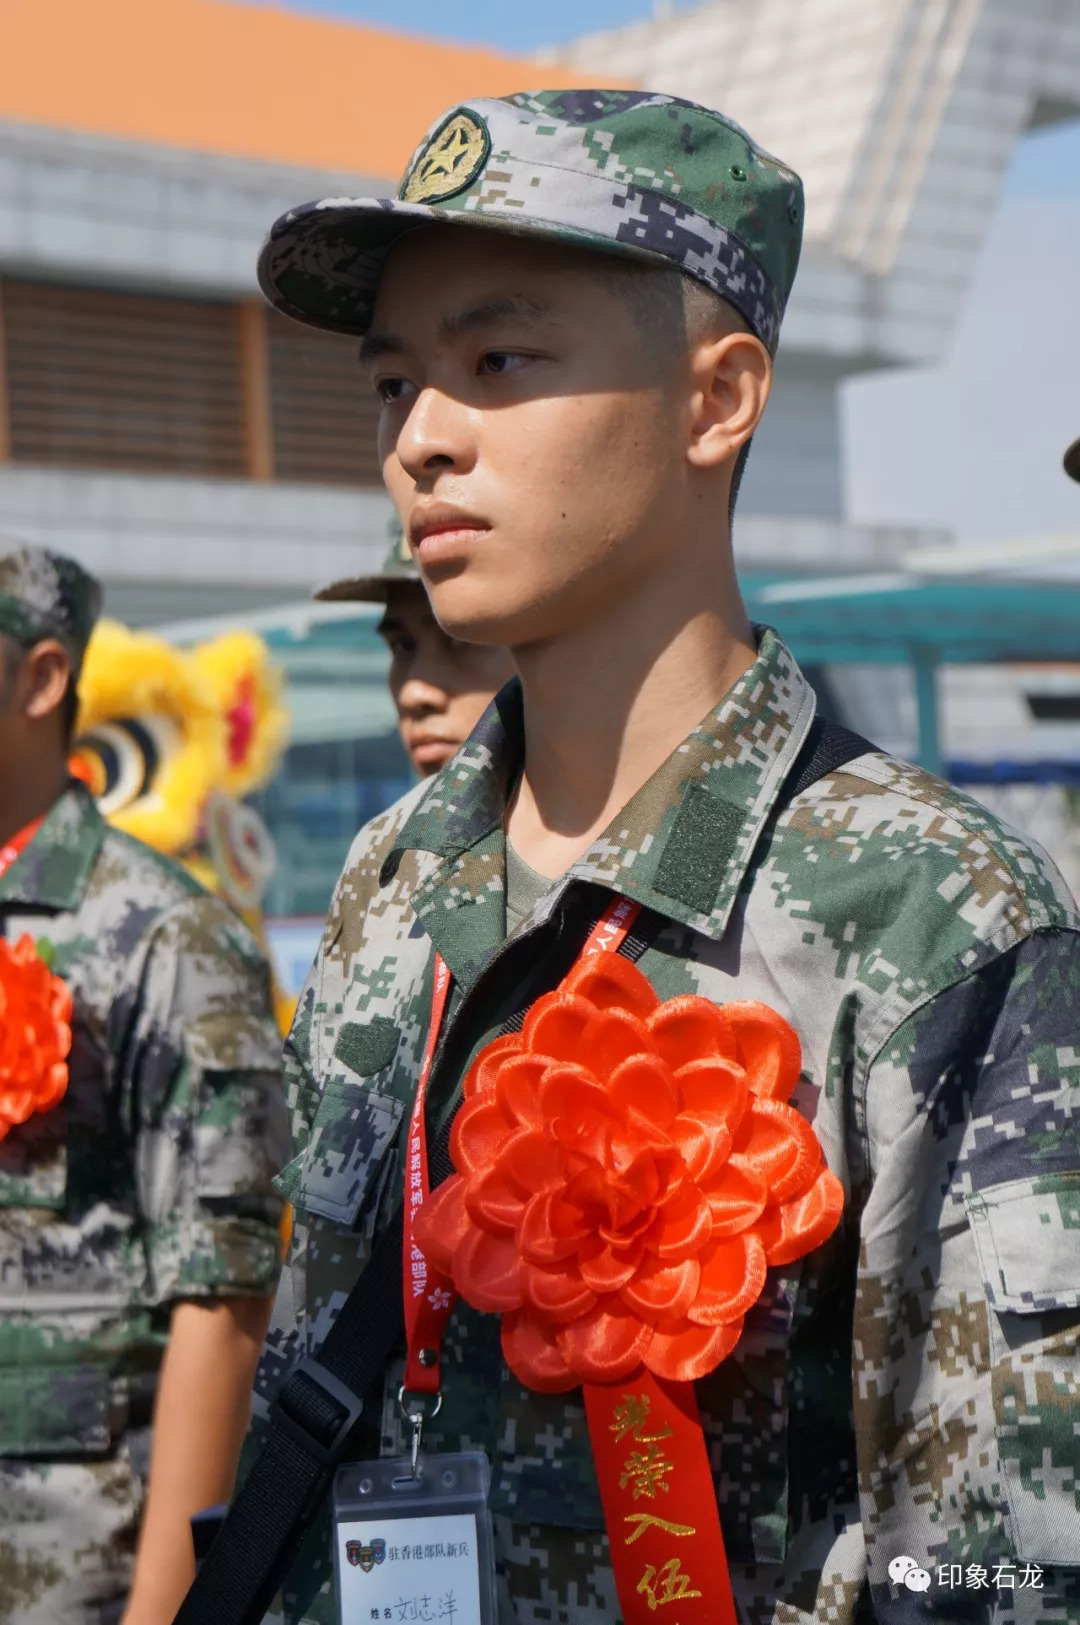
374,345
515,307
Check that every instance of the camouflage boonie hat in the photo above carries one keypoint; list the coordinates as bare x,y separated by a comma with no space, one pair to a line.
629,172
1072,461
45,595
397,566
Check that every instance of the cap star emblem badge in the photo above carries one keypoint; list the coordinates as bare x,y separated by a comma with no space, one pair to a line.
454,156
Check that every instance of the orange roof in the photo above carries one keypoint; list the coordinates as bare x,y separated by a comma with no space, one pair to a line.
245,80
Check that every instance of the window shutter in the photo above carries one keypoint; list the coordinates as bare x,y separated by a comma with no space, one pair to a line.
141,382
324,410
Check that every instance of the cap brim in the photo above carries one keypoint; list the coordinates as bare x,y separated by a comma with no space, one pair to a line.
1072,461
366,589
321,262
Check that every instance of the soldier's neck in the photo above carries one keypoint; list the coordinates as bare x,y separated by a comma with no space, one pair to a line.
27,791
605,707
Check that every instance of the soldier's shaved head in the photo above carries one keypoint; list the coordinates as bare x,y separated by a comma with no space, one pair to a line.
11,655
669,309
672,313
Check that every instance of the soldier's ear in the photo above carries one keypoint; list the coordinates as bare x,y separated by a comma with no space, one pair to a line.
731,377
44,679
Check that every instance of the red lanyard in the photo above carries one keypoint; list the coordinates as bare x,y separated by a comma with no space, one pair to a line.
18,843
429,1296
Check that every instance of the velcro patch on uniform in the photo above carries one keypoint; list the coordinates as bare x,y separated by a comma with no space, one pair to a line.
699,849
367,1047
54,1410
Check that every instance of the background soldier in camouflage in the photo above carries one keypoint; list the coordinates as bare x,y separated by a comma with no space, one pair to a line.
143,1200
440,686
559,431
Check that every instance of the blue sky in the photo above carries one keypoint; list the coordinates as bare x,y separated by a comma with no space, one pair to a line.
509,24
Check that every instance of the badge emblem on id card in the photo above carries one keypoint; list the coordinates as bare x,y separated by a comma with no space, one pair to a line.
414,1549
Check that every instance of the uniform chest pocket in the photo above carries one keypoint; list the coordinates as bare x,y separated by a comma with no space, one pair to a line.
345,1162
1025,1233
345,1167
34,1162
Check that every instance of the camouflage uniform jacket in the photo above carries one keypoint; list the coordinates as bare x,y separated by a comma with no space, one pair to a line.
149,1183
910,1388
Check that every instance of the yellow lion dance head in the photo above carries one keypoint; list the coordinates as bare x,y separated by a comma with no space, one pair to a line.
160,729
169,739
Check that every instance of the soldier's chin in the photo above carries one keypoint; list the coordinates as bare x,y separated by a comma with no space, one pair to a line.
472,617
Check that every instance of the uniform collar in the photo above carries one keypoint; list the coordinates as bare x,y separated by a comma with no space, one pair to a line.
468,798
54,870
681,846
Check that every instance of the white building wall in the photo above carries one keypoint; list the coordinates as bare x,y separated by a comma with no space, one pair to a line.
794,469
803,76
196,546
74,206
900,115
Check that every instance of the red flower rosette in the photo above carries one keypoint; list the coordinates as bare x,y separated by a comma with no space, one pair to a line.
35,1034
627,1170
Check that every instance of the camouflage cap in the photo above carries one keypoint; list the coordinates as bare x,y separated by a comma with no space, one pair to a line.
397,567
1072,461
629,172
45,595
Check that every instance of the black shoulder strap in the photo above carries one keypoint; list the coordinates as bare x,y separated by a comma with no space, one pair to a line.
319,1401
827,746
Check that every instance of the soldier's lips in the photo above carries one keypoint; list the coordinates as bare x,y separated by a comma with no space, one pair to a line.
443,534
430,752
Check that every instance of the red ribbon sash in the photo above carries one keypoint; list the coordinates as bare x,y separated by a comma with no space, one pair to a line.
656,1484
18,843
659,1501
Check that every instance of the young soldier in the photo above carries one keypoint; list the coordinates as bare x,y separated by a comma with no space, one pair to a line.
569,314
138,1208
440,686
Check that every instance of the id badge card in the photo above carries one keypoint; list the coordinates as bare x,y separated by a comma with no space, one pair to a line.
414,1549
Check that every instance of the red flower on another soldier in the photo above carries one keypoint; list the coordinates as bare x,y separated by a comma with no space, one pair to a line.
35,1034
627,1171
